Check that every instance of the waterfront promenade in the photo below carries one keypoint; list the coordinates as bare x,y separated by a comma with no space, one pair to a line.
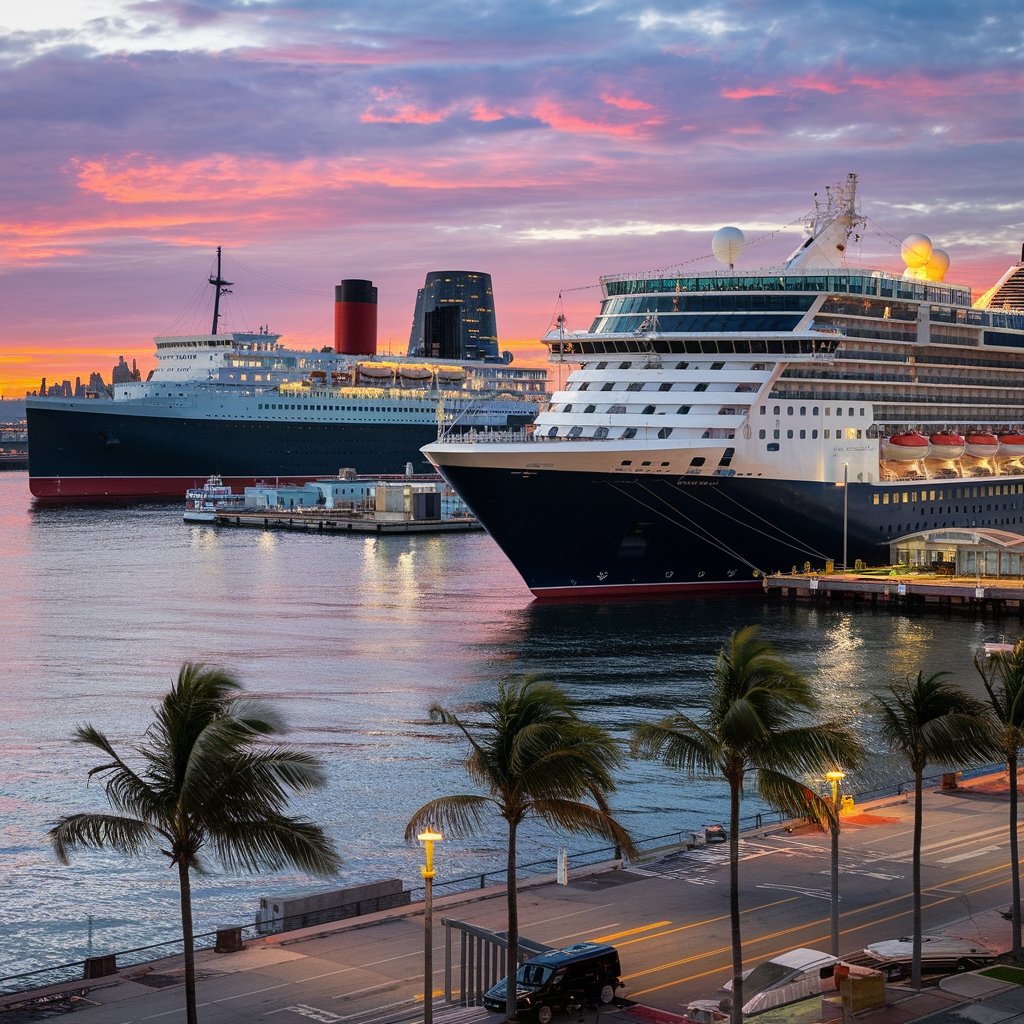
668,916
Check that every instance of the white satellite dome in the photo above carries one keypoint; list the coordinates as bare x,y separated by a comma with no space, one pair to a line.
916,250
727,245
935,269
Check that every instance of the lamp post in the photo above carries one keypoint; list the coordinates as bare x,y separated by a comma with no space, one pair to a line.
428,837
835,777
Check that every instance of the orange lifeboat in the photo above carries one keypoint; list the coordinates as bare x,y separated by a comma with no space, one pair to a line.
981,445
905,447
375,373
1011,445
947,445
417,374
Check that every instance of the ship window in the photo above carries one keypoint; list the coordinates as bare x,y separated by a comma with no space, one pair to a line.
648,410
803,434
628,433
616,409
608,386
773,446
635,385
814,433
828,434
683,410
553,432
762,434
777,410
776,435
626,462
814,411
568,408
623,366
697,461
789,434
874,499
665,432
665,386
803,410
590,408
828,411
585,386
644,463
717,366
601,432
682,366
575,431
702,386
789,410
602,366
885,499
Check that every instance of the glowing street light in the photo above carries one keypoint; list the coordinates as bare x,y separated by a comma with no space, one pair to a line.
835,777
428,837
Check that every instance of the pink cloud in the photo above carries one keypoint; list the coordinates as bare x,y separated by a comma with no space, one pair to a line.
561,120
480,111
626,102
747,93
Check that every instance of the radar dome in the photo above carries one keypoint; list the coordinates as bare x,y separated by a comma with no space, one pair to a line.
916,250
935,269
727,245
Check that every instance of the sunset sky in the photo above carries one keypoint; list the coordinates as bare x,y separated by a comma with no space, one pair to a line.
545,143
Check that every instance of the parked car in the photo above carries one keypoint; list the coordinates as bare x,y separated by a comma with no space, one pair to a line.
893,956
786,979
561,980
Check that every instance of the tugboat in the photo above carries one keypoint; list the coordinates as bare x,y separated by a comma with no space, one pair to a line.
203,503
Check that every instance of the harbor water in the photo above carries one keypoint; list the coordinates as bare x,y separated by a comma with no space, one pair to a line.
352,638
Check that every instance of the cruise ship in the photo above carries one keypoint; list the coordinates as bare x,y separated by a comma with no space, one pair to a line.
728,425
242,406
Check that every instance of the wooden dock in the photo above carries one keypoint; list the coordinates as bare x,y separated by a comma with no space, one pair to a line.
910,591
340,522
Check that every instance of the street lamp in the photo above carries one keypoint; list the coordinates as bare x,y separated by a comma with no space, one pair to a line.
428,837
835,777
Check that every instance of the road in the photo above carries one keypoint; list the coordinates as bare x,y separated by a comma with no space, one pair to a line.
667,916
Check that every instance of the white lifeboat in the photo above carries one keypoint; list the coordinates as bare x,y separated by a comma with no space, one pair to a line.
416,373
451,373
1011,445
375,371
905,447
981,445
946,445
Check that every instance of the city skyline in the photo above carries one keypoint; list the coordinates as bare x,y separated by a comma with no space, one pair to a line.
543,144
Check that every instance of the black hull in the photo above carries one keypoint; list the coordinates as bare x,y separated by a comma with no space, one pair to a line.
595,534
76,454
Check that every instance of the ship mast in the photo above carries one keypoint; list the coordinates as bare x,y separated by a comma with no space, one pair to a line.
219,286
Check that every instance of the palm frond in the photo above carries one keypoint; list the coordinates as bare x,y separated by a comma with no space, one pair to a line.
809,750
678,742
456,816
126,835
792,797
272,842
577,817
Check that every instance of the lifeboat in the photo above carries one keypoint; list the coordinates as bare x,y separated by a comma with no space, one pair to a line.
375,372
981,445
415,374
318,376
946,446
1011,445
451,373
905,447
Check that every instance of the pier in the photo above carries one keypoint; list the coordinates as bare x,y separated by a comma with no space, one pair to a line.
327,522
915,591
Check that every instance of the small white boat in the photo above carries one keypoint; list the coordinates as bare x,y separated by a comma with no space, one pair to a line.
998,645
203,503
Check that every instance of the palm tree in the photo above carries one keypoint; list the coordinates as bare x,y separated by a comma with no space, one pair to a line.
757,721
931,720
535,758
1003,676
203,776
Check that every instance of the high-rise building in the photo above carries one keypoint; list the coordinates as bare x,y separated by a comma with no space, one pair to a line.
454,317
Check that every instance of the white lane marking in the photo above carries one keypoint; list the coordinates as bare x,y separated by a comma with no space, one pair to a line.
981,851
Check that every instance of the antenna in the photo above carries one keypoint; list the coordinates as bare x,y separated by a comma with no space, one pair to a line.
218,283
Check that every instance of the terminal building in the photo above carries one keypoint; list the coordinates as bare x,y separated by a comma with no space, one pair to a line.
454,317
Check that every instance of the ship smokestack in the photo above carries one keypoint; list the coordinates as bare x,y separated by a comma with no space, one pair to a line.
355,318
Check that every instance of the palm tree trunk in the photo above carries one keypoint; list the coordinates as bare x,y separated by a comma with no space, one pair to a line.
1011,764
736,1011
915,963
188,941
513,927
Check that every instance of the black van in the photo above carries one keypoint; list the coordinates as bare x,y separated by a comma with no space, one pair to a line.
561,979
